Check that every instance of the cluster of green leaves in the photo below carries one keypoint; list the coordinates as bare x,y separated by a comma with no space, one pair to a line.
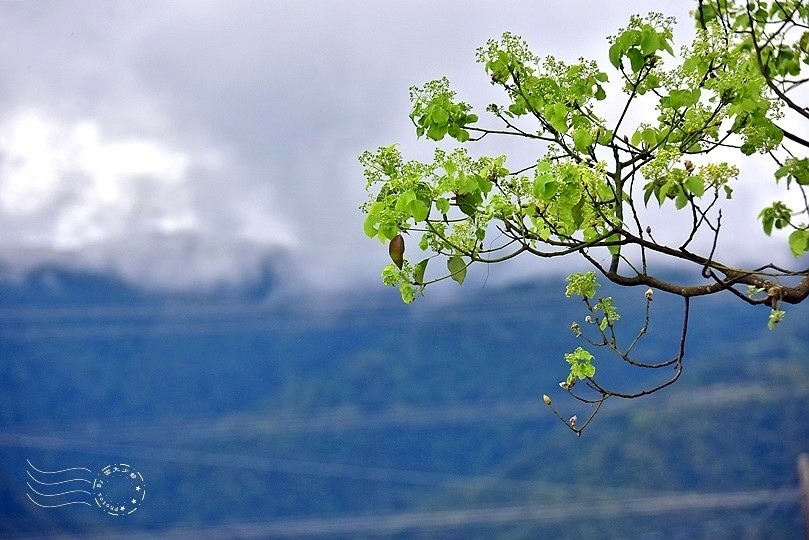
409,191
640,43
584,192
436,115
769,42
781,216
556,94
581,366
574,198
602,314
580,360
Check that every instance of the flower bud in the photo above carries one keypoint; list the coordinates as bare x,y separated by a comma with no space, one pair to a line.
546,399
573,420
649,293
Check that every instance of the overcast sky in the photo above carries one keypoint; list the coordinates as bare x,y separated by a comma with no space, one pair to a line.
183,144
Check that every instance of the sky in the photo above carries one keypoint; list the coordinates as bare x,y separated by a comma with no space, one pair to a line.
187,144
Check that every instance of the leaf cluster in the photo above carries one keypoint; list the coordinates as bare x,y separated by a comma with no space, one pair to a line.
598,174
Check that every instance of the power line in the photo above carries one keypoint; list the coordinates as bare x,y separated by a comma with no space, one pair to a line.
487,516
342,419
336,421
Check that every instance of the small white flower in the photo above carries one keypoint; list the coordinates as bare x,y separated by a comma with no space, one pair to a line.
649,293
573,420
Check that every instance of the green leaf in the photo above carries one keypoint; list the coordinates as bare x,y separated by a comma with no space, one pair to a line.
776,316
664,191
648,191
649,136
650,41
691,63
767,219
467,203
636,59
681,199
436,133
439,116
577,212
799,242
581,366
407,292
418,273
557,116
419,210
545,186
605,137
457,269
696,185
369,226
583,284
615,54
404,200
582,139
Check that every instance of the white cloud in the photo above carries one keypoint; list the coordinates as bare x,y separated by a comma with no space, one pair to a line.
181,144
73,195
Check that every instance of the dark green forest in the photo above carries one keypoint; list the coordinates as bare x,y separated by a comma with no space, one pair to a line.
252,414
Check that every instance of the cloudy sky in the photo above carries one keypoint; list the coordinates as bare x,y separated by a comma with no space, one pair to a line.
184,144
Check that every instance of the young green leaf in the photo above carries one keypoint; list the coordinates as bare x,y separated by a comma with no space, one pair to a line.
582,139
799,242
615,53
457,269
369,226
696,185
418,273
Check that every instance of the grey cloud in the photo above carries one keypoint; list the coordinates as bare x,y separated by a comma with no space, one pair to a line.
270,101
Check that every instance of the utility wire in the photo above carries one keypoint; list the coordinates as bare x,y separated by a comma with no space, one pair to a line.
487,516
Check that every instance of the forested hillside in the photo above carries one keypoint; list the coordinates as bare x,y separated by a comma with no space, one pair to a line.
362,416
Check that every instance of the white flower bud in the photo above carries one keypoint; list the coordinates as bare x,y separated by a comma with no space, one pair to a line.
649,293
546,399
573,420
